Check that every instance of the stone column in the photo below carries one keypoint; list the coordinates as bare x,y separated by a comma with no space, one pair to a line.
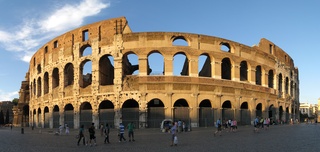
193,67
143,65
219,107
237,112
143,111
235,72
264,78
50,117
252,75
168,65
169,108
95,117
194,111
216,69
42,118
61,113
76,118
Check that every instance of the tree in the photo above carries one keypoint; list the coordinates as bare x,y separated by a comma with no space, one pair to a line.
1,118
15,101
7,117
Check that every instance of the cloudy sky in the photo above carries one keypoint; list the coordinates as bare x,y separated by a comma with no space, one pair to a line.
293,25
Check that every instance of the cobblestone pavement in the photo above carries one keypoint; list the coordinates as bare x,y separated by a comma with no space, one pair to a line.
283,138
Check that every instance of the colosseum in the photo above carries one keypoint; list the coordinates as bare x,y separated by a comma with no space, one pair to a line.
105,73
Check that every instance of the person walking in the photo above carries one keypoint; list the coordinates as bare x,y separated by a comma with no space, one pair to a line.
81,135
130,131
173,131
92,135
67,129
218,126
106,133
179,126
60,129
101,129
121,132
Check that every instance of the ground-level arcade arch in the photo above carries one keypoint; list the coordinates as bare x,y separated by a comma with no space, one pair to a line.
155,113
206,114
227,111
245,116
106,113
181,111
69,115
86,114
56,116
130,112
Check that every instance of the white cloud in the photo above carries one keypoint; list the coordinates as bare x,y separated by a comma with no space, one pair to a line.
34,32
8,96
71,16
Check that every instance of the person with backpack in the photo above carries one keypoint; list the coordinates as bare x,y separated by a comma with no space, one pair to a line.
92,135
106,133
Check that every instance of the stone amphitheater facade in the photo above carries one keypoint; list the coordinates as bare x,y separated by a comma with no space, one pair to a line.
234,81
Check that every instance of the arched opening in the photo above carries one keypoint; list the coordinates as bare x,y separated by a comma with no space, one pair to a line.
39,87
85,50
180,64
39,68
130,64
227,112
272,113
130,112
46,117
106,113
258,75
86,114
225,47
56,117
181,111
259,110
39,122
204,65
179,41
291,88
55,78
287,85
106,70
68,115
280,86
206,114
155,113
155,63
270,79
34,118
287,115
243,71
245,116
86,73
25,116
68,74
280,115
46,83
226,69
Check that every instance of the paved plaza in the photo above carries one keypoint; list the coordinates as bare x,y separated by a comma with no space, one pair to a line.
283,138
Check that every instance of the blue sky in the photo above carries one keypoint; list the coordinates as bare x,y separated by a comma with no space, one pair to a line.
292,25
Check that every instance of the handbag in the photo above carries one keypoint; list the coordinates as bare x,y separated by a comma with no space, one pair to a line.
175,140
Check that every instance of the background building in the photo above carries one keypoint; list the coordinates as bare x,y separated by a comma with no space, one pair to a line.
6,108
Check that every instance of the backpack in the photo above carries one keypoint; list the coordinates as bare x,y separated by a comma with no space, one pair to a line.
91,130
